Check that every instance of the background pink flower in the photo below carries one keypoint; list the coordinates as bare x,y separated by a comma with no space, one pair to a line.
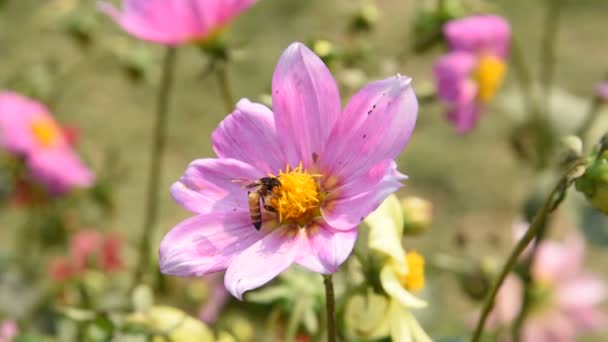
469,75
335,167
175,22
601,90
566,298
29,131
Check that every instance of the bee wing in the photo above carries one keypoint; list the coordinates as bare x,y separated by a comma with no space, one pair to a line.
247,183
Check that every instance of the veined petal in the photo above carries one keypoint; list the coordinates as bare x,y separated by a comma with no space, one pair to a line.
206,243
392,286
209,185
347,205
262,261
376,125
306,104
249,135
326,248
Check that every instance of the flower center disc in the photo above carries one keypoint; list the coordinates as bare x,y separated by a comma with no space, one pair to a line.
414,279
298,198
45,132
489,75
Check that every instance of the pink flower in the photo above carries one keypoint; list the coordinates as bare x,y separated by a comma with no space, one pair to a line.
61,269
218,298
601,90
29,131
469,75
175,22
335,167
8,331
565,297
92,248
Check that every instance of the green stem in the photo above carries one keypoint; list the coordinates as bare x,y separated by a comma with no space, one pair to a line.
538,222
547,52
221,73
330,304
156,156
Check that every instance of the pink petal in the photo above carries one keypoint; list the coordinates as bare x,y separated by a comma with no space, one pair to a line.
376,125
206,243
306,103
453,76
601,90
508,302
262,261
249,135
326,248
217,299
174,22
346,206
582,291
60,170
559,260
16,113
479,33
215,184
464,117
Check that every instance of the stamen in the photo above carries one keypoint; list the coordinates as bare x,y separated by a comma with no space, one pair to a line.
489,76
45,132
298,198
414,279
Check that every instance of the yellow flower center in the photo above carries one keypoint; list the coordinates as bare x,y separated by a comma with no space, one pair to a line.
489,75
298,198
414,279
45,131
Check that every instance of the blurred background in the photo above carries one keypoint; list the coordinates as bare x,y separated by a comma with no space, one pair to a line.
96,78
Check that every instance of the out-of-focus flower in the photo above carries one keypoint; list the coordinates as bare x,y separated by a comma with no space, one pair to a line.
29,131
334,167
417,215
61,269
92,248
175,22
470,74
89,249
601,90
401,274
178,326
8,331
565,298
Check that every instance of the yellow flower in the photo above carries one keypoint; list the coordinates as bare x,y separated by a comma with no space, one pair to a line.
178,326
401,273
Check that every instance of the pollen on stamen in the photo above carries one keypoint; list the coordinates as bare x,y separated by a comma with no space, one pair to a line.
298,198
414,279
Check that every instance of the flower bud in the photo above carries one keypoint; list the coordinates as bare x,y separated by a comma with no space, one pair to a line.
594,183
417,213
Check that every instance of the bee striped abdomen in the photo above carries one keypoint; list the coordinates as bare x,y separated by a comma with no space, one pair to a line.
254,209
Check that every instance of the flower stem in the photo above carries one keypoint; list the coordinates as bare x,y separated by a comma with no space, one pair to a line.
547,52
539,221
157,152
331,308
221,73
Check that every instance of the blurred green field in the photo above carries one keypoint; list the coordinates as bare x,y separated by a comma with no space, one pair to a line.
475,182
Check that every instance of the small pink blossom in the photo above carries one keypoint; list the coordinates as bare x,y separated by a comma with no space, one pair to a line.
335,167
175,22
29,131
469,75
567,298
601,90
8,330
61,269
92,248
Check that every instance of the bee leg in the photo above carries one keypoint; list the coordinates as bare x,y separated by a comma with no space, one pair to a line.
268,207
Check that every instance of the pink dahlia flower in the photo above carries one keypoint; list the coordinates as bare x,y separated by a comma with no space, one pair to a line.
471,73
175,22
334,166
29,131
566,298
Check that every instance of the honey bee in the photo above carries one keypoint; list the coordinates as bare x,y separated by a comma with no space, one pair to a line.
263,189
